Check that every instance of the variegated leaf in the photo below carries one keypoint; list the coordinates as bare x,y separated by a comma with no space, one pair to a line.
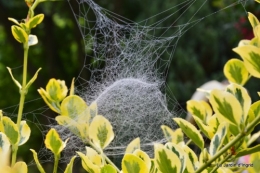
10,129
166,160
87,164
38,164
218,139
34,21
94,157
236,72
20,167
25,132
227,106
133,164
251,56
5,150
53,105
172,136
56,89
133,145
207,130
19,34
200,109
69,167
101,131
191,131
108,169
144,156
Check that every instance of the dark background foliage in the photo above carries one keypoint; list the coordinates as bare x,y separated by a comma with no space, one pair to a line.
199,57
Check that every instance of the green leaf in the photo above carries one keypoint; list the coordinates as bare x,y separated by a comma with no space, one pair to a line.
32,79
242,96
53,142
172,136
254,160
236,72
166,160
53,105
251,56
108,169
87,164
15,81
70,165
200,109
5,150
248,151
133,145
34,21
191,131
253,20
227,106
56,89
25,132
133,164
218,139
38,164
75,107
11,130
254,112
101,131
144,156
19,34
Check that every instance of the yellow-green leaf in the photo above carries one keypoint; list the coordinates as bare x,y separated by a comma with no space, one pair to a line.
227,106
5,150
11,130
133,164
243,97
133,145
253,112
55,106
72,88
191,131
57,89
70,165
32,79
53,142
25,132
192,157
197,108
108,169
248,151
94,157
38,164
166,160
87,164
15,81
34,21
206,129
172,136
254,160
20,167
75,107
236,72
253,20
101,131
13,20
251,56
144,156
218,139
19,34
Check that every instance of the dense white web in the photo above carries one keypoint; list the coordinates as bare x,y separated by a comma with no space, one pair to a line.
129,65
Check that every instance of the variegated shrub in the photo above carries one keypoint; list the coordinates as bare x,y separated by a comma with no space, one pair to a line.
227,121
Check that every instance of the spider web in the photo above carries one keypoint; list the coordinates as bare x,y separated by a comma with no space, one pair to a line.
129,64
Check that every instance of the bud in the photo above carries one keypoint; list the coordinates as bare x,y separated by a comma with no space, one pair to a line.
29,2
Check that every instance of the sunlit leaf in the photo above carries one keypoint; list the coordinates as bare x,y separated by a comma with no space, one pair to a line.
227,106
94,157
32,79
19,34
10,129
72,88
251,56
5,150
108,169
253,20
133,164
218,139
87,164
38,164
53,142
101,131
191,156
236,72
166,160
53,105
144,156
172,136
75,107
15,81
206,129
56,89
25,132
200,109
34,21
69,167
133,145
14,20
191,131
20,167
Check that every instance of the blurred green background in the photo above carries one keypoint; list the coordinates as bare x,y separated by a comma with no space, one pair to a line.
199,57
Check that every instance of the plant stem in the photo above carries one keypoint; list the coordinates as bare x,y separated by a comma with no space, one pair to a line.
106,158
222,161
23,92
56,162
230,144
